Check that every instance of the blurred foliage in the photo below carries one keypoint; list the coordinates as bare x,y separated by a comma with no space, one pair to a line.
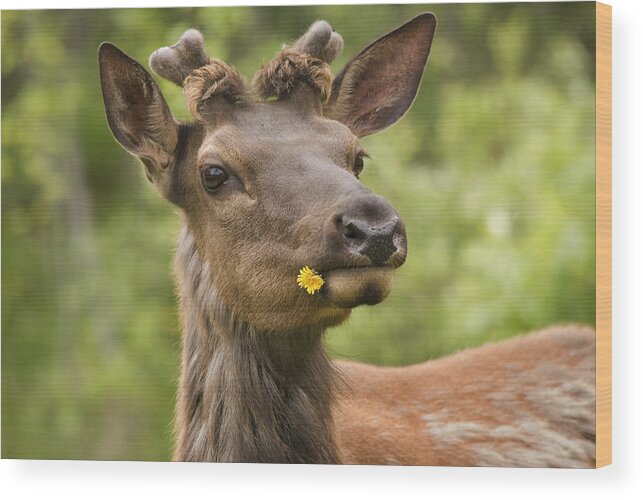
492,171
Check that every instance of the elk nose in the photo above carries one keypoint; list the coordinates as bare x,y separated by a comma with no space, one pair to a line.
374,240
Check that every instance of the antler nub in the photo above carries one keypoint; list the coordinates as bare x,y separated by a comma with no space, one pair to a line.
175,63
187,64
320,41
213,79
306,61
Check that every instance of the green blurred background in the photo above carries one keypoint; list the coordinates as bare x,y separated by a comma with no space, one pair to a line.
492,171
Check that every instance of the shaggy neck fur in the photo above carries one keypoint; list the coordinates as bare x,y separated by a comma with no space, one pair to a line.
246,396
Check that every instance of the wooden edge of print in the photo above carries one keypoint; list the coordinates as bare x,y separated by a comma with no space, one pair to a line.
603,234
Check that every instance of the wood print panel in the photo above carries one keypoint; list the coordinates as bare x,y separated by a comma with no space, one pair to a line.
500,171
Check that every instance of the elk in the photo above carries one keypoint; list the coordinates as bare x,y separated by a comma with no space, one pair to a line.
266,180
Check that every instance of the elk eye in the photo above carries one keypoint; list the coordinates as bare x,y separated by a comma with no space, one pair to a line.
359,164
213,177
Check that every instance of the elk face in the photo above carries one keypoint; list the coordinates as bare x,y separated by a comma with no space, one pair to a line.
270,186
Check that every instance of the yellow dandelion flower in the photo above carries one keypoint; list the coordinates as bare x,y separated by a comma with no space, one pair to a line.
310,280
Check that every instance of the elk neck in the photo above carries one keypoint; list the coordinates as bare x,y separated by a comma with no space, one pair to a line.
246,396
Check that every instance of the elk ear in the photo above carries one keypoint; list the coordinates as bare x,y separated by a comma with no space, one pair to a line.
137,113
379,85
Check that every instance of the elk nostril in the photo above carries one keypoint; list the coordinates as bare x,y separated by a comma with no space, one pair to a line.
351,229
352,232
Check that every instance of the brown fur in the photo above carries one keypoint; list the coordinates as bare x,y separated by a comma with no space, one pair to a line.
246,396
526,402
256,384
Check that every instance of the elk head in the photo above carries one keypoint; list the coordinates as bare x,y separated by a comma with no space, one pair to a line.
267,174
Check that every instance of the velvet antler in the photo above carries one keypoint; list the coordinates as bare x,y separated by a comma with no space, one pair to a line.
176,62
187,64
306,61
320,41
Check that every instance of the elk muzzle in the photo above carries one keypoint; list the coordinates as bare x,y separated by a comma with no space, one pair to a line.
369,242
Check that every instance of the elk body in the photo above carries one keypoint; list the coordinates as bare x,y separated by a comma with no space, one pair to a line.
266,180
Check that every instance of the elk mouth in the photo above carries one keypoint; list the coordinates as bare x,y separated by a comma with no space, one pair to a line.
354,286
